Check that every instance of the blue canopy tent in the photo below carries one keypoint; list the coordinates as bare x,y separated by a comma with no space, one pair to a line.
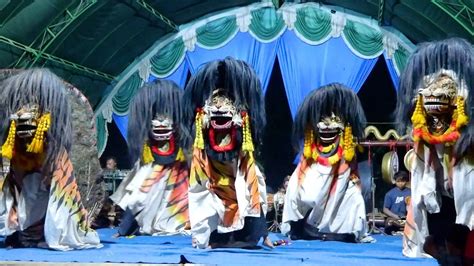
314,45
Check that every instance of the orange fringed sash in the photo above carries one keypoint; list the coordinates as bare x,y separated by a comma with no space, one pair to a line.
177,174
221,177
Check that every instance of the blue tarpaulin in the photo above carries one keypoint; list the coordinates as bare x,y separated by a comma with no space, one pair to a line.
168,249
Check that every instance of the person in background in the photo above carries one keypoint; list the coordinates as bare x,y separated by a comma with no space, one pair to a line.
395,203
275,203
279,197
108,215
111,164
4,167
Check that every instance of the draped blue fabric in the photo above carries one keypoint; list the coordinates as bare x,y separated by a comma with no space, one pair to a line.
121,121
392,71
306,67
178,76
261,56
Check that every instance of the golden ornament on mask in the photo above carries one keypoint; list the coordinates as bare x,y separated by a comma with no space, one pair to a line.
37,144
308,142
349,147
247,144
147,156
7,147
180,156
459,119
418,118
198,140
347,144
462,118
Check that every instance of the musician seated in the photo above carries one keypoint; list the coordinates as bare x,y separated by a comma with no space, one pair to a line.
111,164
109,214
395,204
275,202
279,198
4,169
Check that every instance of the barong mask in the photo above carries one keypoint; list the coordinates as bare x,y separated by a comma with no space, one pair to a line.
225,107
325,120
155,125
162,134
30,126
221,119
326,147
330,129
439,111
434,103
26,121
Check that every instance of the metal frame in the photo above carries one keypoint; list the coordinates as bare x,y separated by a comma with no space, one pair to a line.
157,14
51,33
460,12
41,54
380,13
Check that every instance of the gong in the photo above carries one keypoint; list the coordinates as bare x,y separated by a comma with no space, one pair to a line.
389,166
408,159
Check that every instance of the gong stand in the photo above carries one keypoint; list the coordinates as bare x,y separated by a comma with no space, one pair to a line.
392,144
276,225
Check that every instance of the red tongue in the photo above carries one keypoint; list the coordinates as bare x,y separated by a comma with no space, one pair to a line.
157,151
215,146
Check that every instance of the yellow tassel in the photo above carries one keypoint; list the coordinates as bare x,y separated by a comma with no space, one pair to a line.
180,157
198,140
314,153
7,147
308,142
349,151
462,118
418,118
147,156
247,144
37,144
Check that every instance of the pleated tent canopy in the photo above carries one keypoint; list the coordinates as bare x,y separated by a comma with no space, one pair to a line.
108,49
315,45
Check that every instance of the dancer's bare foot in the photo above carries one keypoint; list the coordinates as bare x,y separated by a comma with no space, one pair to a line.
267,242
116,235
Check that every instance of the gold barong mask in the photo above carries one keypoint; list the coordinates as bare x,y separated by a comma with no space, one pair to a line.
221,119
439,112
30,126
334,141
